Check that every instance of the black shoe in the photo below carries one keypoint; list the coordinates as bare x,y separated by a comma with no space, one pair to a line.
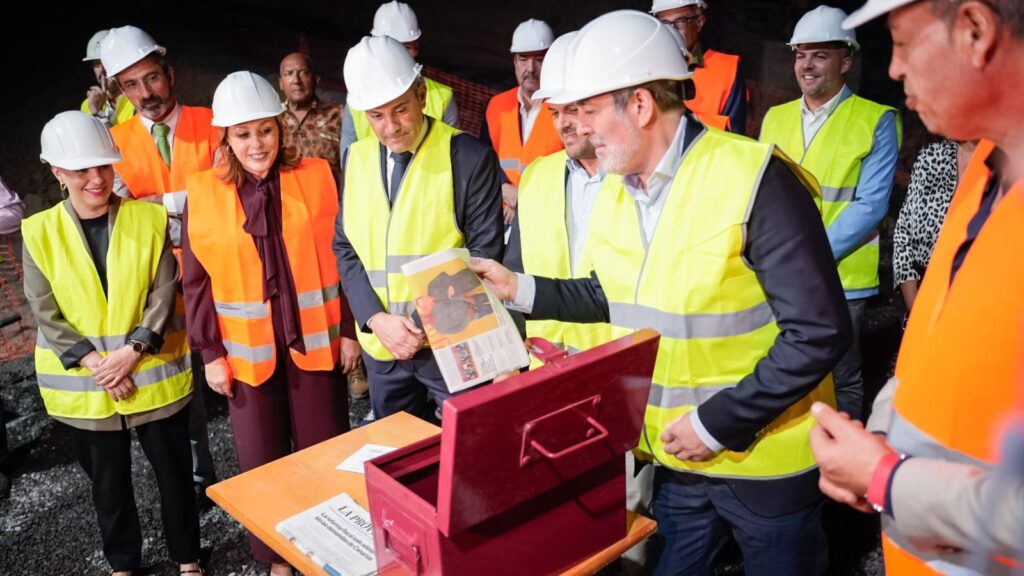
5,486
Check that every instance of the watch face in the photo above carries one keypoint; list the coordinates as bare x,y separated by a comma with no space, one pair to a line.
138,347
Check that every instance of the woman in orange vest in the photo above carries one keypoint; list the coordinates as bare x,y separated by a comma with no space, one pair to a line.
262,297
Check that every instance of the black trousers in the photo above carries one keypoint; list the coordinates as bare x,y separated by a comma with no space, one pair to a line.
403,385
107,460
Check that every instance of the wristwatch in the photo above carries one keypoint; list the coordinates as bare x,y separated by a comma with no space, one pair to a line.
139,346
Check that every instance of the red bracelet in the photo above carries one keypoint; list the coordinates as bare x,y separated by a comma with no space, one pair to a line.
880,480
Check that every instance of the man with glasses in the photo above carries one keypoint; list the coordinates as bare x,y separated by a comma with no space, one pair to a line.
721,98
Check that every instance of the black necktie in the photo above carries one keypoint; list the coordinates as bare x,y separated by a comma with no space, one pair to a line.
397,173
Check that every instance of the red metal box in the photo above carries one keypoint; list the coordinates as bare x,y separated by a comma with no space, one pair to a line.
527,476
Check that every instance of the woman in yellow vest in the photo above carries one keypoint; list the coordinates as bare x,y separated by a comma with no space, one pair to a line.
264,305
100,279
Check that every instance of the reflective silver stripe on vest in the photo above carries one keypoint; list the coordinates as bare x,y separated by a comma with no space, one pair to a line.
394,263
249,354
670,325
243,310
317,341
669,397
402,308
100,343
377,278
147,377
509,163
838,194
948,563
911,440
314,298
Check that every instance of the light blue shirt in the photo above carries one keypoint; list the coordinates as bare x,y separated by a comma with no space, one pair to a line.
580,194
860,221
650,204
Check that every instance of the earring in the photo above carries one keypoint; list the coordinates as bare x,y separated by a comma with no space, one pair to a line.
63,186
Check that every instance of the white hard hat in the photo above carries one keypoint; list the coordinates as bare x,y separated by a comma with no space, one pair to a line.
378,70
552,74
92,49
873,9
532,36
125,46
662,5
75,140
243,97
397,20
823,24
618,50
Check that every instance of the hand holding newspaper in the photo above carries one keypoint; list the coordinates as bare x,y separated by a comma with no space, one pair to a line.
472,335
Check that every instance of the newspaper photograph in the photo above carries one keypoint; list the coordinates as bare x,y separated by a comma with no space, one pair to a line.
336,535
472,335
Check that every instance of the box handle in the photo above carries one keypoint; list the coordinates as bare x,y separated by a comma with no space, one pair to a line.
601,435
391,534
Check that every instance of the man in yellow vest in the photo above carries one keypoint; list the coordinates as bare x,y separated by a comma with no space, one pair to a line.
104,100
397,20
718,77
419,187
516,124
712,239
160,147
941,457
556,198
850,145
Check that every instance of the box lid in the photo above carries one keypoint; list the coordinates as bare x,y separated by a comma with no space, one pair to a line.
506,443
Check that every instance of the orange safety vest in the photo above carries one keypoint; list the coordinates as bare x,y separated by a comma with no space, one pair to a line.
309,205
959,365
144,170
503,123
714,81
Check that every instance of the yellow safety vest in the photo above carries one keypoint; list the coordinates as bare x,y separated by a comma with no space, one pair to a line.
123,111
834,157
545,248
693,286
438,97
422,221
136,242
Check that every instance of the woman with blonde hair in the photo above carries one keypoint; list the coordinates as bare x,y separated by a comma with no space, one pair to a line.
263,302
101,282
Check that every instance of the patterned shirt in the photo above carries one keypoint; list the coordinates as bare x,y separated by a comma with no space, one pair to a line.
318,135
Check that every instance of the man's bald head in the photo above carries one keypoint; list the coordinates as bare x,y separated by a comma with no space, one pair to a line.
297,81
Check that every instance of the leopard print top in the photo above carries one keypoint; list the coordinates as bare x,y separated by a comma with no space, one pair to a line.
932,183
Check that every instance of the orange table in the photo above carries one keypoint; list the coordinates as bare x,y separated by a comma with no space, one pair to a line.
259,499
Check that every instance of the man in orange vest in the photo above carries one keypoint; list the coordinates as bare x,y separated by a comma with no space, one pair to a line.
520,129
161,146
951,497
721,98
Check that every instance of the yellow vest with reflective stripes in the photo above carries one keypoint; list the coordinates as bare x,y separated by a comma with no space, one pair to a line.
422,221
136,242
834,157
692,285
438,97
124,109
544,237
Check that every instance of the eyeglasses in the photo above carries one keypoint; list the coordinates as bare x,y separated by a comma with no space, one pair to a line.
682,22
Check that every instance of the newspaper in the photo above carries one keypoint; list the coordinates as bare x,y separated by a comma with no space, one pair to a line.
336,535
472,335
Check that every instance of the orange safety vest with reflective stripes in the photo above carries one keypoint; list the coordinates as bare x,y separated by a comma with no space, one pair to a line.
144,170
714,81
309,205
503,124
959,366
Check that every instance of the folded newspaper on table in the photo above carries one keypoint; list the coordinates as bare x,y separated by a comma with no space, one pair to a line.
472,335
336,535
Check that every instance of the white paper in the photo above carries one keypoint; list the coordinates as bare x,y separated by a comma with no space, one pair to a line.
470,332
336,535
356,462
